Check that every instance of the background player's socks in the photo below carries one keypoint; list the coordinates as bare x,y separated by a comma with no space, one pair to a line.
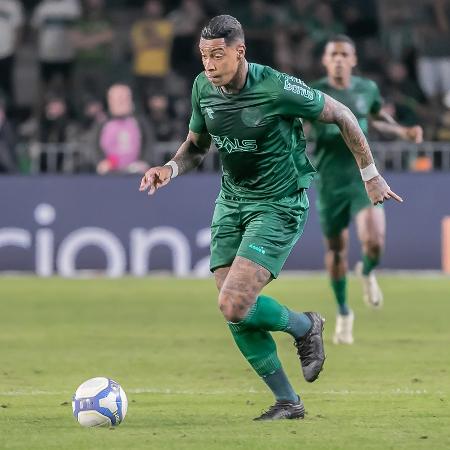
369,263
340,294
280,386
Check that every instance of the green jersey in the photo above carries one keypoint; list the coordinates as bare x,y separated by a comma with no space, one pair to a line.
258,132
334,161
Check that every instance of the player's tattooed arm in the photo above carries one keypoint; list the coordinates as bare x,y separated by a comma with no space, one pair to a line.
385,124
337,113
192,151
189,155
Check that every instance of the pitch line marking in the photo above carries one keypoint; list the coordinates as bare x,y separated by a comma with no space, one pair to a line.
169,391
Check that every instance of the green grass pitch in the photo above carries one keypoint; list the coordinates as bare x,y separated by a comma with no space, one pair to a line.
189,388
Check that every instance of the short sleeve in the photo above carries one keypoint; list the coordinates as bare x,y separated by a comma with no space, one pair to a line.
377,102
197,123
297,99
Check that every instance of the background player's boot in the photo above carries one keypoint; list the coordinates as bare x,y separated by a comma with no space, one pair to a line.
284,410
343,333
310,348
372,294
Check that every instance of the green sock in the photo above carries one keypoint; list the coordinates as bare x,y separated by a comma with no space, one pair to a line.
340,294
279,384
267,314
369,263
258,347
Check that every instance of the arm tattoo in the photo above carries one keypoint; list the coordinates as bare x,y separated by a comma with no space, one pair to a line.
191,154
339,114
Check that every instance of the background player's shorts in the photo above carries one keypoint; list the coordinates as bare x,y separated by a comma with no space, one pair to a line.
263,232
336,210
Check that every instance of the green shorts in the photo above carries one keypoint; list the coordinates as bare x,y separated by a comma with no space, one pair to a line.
337,209
262,231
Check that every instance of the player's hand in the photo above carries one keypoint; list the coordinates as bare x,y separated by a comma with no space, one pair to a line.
414,134
379,191
155,178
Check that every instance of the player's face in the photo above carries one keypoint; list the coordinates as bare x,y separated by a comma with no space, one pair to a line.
339,59
221,61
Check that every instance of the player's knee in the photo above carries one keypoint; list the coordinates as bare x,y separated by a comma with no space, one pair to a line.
225,305
337,255
374,247
229,307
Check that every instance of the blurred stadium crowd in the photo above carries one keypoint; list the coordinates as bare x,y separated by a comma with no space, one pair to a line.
104,86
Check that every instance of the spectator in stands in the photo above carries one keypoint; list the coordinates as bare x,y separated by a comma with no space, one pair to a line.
396,20
53,20
11,21
92,38
124,141
322,25
406,95
151,39
161,118
443,129
259,25
433,39
56,128
93,114
359,18
187,20
8,159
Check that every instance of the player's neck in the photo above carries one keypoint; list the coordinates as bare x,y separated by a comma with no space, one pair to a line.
339,82
238,81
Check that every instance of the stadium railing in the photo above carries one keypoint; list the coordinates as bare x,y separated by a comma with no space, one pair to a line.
75,157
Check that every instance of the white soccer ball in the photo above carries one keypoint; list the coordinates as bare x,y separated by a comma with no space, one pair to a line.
99,402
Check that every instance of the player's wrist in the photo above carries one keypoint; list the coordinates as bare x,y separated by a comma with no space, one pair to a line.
172,164
369,172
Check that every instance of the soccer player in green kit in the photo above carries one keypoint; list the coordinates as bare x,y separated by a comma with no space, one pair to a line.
251,112
341,192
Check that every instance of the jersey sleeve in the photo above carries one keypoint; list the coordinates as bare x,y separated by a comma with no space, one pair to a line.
377,102
297,99
197,123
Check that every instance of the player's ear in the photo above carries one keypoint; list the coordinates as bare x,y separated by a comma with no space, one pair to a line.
241,51
354,59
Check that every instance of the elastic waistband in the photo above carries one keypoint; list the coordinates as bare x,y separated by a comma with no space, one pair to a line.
243,199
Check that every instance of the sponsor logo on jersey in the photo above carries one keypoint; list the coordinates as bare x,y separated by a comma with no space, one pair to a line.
210,113
234,144
298,88
257,248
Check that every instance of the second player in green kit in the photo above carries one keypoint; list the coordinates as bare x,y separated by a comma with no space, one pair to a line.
341,193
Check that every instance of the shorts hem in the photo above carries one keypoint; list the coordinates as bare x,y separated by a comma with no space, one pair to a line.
262,264
214,267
